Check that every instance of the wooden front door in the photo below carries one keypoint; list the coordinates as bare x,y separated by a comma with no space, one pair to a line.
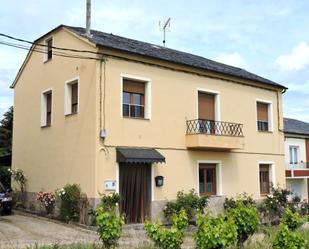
135,191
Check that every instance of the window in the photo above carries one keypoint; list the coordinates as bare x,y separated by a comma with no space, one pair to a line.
46,113
293,154
49,49
207,179
133,98
264,179
262,116
71,97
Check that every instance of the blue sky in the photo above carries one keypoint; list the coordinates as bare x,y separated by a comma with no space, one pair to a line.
266,37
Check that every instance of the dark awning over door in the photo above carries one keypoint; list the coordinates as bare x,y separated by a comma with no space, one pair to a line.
136,155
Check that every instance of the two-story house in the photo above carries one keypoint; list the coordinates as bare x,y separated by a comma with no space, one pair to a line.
116,114
297,157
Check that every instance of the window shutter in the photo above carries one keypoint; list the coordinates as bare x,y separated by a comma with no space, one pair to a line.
262,112
206,106
133,86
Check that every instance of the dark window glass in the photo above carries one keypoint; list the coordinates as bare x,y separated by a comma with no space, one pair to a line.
207,179
74,95
126,98
264,179
49,49
48,108
262,125
133,105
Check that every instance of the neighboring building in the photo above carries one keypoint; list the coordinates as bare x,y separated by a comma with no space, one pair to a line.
297,157
138,111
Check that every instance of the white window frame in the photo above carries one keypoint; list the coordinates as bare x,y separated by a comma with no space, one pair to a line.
217,102
272,174
68,95
44,105
45,55
295,147
269,111
147,82
219,181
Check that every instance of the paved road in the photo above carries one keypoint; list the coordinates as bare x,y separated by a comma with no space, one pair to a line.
18,231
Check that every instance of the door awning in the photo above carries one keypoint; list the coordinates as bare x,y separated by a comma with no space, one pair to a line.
137,155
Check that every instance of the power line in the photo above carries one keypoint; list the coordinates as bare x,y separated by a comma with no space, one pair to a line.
54,47
56,53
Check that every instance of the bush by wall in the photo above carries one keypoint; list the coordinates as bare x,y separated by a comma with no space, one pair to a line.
69,197
5,176
189,202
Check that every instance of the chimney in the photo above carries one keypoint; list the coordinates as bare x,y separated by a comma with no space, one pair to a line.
88,17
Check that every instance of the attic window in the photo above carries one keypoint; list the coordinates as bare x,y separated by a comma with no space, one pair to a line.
49,49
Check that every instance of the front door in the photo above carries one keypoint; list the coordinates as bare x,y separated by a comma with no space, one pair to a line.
135,191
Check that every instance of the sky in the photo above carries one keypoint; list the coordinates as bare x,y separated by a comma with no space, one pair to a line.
266,37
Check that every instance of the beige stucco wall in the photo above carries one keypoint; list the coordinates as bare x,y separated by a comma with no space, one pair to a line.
65,152
70,151
173,100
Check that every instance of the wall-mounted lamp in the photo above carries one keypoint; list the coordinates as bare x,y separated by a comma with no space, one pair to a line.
159,181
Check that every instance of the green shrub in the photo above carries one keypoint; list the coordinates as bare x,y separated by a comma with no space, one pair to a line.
109,224
110,201
291,219
288,239
246,219
274,204
245,198
69,206
190,202
168,238
214,232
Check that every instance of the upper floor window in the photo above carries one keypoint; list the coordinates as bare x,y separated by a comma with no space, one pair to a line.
263,122
264,179
46,108
49,49
71,97
293,154
133,97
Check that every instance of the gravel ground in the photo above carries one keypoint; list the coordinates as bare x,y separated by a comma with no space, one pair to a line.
18,231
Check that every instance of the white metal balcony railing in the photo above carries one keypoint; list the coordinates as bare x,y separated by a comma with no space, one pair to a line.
295,166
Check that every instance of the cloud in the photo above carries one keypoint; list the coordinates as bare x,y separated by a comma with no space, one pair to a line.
297,59
233,59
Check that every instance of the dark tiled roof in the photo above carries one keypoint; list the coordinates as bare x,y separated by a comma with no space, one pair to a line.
295,126
167,54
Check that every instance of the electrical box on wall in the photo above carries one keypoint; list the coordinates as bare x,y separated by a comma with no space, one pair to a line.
110,185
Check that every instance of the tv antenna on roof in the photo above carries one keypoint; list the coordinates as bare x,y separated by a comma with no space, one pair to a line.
165,26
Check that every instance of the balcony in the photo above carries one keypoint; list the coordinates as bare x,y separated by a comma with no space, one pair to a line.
297,170
214,135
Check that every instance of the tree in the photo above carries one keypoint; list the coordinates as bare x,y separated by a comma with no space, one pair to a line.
6,131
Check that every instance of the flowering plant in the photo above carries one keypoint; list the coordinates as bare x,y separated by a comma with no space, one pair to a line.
60,192
48,199
110,201
20,177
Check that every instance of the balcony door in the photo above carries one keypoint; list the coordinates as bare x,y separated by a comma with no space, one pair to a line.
206,112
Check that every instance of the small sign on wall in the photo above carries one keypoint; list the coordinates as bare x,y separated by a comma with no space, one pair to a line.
110,185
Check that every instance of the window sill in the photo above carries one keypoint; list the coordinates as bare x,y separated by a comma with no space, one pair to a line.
47,60
45,126
266,131
136,118
71,114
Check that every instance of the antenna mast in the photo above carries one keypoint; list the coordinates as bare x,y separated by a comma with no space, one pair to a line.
165,27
